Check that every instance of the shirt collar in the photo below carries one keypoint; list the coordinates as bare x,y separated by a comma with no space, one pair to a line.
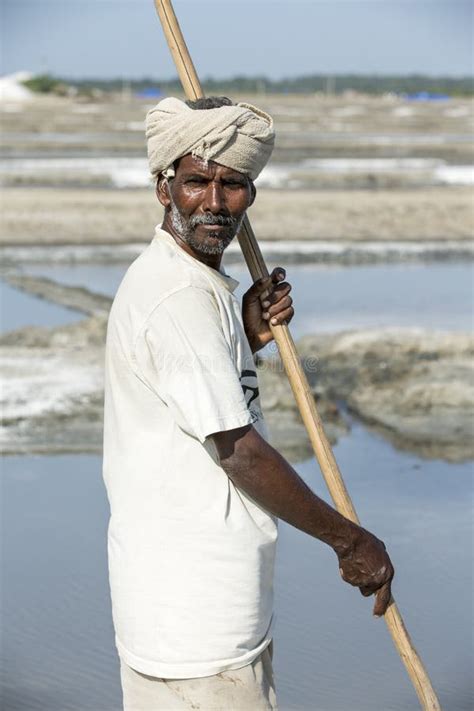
220,276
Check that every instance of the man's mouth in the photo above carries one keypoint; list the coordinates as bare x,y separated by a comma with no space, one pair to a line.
216,233
212,222
214,228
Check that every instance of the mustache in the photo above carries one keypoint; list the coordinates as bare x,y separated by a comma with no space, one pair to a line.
209,219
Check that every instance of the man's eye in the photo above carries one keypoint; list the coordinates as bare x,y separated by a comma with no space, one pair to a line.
234,184
195,181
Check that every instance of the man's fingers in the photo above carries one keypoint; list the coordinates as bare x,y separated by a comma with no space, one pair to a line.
284,303
277,275
284,316
277,285
276,294
382,599
272,292
258,288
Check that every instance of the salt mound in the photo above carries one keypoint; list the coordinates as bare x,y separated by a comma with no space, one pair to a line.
12,89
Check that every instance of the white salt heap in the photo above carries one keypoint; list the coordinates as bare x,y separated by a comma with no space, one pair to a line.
12,89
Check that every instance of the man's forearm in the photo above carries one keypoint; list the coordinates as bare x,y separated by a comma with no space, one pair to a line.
262,473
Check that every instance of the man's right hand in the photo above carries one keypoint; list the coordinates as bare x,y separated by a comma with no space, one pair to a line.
259,470
365,564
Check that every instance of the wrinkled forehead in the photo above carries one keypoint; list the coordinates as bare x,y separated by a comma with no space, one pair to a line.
195,164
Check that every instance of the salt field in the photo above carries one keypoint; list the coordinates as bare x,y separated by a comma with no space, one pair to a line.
131,172
368,204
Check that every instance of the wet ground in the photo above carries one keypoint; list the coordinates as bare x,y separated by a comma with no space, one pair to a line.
330,653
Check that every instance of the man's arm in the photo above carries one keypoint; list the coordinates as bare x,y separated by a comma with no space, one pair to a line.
262,473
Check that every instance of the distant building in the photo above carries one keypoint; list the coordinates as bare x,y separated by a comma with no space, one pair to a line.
150,93
426,96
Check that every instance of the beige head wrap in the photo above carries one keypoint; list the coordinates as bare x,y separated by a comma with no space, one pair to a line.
240,137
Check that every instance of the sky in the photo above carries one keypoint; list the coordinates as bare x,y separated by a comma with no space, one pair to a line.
276,38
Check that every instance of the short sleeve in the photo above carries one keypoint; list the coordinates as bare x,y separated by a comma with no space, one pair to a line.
184,357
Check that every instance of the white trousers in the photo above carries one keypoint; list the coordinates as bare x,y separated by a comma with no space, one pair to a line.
250,688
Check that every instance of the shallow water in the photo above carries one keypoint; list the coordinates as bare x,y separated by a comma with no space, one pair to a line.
438,296
330,654
18,309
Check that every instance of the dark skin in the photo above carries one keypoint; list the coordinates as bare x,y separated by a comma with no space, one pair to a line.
250,462
259,470
198,189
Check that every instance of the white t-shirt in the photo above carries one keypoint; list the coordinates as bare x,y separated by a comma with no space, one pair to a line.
191,557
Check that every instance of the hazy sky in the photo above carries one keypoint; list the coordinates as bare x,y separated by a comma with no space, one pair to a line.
112,38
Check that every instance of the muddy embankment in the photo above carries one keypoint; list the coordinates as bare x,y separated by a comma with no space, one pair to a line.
45,216
415,387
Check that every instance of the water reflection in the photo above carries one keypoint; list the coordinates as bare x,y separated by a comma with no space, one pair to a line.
329,652
438,296
19,310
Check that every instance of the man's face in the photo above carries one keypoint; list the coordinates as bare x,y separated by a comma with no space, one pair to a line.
207,203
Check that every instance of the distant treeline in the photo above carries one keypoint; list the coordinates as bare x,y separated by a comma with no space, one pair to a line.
334,84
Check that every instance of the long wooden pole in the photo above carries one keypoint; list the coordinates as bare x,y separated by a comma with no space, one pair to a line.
296,376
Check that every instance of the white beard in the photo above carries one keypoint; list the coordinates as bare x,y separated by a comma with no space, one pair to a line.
185,229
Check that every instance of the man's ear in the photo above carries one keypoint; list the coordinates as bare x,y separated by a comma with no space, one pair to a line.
253,192
163,190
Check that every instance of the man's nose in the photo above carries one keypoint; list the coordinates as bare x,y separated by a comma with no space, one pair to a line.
214,199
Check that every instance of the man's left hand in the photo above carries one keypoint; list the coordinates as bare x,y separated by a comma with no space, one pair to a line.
267,301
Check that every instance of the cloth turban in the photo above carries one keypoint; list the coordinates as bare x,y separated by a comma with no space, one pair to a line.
240,137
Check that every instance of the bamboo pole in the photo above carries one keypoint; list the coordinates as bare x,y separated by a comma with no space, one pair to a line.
298,381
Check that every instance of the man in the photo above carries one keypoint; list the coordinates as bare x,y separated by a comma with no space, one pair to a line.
194,487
